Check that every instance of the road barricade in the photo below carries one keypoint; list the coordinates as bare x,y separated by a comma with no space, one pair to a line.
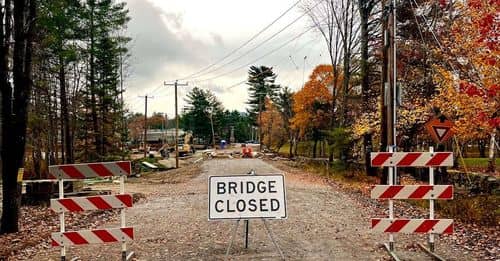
430,192
62,205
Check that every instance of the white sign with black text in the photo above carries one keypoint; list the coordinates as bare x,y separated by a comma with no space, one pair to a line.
246,197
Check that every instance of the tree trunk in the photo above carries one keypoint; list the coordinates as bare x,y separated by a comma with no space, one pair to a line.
15,137
482,148
315,144
492,153
65,128
92,82
364,11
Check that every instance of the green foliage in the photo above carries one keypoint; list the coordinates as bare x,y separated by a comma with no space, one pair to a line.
80,54
261,81
285,102
340,141
204,108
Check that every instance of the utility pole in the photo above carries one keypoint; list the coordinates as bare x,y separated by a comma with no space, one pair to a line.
391,75
384,88
144,140
175,84
390,85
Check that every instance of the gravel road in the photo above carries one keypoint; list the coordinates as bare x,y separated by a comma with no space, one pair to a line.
323,224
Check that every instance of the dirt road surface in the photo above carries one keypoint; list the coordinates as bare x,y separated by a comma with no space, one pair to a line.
323,223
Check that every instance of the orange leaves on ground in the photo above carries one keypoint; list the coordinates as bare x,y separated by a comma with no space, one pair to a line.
312,104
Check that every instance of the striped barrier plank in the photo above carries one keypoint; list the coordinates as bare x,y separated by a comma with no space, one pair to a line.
98,236
436,226
411,159
412,192
77,204
90,170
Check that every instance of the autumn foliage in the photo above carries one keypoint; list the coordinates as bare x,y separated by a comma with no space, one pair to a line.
470,94
274,134
313,102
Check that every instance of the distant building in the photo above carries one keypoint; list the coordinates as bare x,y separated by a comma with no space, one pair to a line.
155,136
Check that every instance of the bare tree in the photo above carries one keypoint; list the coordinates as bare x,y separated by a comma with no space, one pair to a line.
338,24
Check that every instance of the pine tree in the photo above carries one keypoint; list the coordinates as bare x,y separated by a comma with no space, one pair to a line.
261,84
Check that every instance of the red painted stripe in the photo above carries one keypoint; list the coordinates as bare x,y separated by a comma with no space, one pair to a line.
104,235
391,191
99,202
447,193
125,166
426,226
129,231
126,199
438,158
380,158
70,205
420,192
54,243
72,172
76,238
375,221
397,225
409,158
449,229
100,170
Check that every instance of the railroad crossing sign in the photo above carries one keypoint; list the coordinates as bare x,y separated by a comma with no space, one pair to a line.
440,129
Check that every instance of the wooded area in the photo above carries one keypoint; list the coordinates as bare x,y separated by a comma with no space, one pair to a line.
63,65
447,67
61,86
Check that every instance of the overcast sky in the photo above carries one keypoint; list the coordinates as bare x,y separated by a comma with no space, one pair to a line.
175,38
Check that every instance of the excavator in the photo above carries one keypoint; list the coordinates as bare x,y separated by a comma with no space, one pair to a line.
185,147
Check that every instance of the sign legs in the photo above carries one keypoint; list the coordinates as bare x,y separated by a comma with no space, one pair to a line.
270,234
247,224
268,231
233,234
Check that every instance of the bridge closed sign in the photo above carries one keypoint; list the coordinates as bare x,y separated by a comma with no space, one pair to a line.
246,197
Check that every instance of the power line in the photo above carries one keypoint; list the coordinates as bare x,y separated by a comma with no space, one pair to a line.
433,35
265,71
261,43
244,44
259,58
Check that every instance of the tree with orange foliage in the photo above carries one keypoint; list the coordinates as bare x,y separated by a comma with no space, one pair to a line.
274,133
312,104
471,94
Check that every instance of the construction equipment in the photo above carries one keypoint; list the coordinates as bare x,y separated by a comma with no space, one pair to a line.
246,151
185,146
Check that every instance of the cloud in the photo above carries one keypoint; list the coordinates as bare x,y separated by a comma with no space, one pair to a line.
170,42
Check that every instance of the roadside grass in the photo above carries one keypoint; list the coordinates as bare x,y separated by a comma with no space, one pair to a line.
304,148
475,209
478,162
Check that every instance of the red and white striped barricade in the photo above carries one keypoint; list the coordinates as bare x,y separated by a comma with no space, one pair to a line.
412,192
435,226
77,204
411,159
431,192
